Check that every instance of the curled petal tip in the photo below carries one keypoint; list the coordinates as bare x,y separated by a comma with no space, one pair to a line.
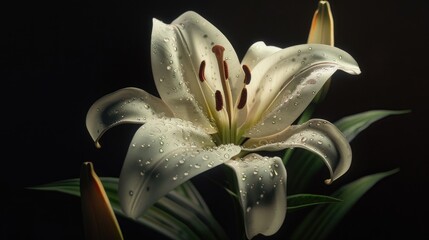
97,144
328,181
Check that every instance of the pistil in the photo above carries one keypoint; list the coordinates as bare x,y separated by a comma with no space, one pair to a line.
223,71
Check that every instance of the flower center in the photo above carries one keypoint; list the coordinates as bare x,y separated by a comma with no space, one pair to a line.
226,109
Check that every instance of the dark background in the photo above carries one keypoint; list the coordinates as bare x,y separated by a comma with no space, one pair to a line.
58,57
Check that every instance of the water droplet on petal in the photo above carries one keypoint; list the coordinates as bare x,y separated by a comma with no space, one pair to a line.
131,193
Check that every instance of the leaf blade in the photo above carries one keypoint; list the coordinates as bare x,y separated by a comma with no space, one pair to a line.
321,221
177,215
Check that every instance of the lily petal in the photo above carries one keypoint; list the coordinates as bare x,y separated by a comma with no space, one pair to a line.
289,80
178,53
163,154
127,105
257,52
262,185
316,135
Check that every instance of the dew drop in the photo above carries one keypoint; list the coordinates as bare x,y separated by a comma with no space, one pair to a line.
319,142
174,178
131,193
186,173
303,139
161,150
248,209
226,156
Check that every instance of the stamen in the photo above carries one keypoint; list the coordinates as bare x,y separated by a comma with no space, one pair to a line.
219,100
247,76
243,99
225,69
201,72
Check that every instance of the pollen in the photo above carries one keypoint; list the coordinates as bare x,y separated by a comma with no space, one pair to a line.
219,100
201,72
243,99
247,76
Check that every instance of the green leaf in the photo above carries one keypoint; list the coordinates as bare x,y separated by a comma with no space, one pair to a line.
303,164
352,125
298,201
322,219
182,214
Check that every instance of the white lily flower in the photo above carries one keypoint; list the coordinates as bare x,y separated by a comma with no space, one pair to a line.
215,110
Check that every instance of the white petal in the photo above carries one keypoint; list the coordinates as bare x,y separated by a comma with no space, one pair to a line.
285,83
178,50
127,105
262,190
316,135
257,52
163,154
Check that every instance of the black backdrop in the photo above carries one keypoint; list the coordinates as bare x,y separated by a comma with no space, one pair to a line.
58,57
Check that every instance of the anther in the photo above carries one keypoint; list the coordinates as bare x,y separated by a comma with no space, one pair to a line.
201,72
219,100
243,99
247,76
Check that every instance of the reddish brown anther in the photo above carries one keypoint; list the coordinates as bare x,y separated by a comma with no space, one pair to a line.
219,100
201,72
243,99
247,76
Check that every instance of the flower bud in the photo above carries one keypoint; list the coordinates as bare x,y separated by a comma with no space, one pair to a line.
98,217
322,32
